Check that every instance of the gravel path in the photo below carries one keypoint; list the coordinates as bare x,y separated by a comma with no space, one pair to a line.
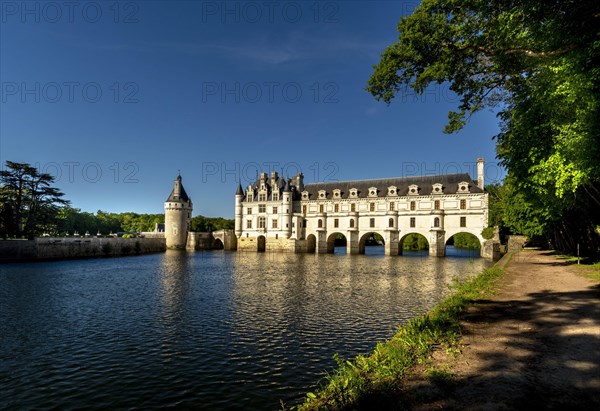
534,345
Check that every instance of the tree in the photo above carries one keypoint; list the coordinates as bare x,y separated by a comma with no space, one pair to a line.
538,63
29,203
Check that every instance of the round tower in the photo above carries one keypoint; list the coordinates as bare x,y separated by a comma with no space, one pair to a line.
239,196
178,215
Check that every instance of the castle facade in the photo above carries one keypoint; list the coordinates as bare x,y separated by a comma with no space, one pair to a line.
278,214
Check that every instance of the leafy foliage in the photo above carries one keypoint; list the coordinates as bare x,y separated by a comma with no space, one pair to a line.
29,204
538,62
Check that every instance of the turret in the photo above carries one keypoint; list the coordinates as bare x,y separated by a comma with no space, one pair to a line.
287,208
480,167
239,197
178,214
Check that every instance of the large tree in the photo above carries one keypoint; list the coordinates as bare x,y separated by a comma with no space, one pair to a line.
29,204
538,63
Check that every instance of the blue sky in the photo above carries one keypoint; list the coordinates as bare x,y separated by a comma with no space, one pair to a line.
113,99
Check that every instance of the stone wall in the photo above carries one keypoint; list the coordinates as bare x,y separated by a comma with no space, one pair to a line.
56,248
199,241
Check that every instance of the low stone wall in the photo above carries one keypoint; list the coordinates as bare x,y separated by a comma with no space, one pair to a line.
516,242
56,248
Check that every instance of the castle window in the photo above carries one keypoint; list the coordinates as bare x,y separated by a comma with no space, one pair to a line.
391,206
392,191
371,222
320,223
353,207
321,208
275,197
304,209
274,210
322,194
336,223
463,221
305,195
351,223
248,223
262,208
336,208
436,222
262,197
250,197
463,204
274,223
413,206
261,222
372,191
337,193
249,210
372,207
413,222
353,192
391,222
304,223
436,204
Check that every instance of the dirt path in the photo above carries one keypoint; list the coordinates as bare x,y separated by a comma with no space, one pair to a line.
535,344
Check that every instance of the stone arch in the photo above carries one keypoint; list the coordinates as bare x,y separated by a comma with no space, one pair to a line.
470,245
311,244
418,242
261,244
365,238
218,244
332,239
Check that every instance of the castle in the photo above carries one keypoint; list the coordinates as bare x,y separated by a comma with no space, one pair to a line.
284,215
278,214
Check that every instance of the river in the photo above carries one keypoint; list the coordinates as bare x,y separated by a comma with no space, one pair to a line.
206,330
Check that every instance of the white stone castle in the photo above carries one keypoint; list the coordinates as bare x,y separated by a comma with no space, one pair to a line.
275,214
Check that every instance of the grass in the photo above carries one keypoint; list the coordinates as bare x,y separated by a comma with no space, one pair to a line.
589,270
586,267
372,382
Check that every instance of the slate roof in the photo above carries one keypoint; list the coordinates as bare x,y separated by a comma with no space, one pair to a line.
449,183
182,194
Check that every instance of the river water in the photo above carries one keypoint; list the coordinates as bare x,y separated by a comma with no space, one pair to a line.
205,330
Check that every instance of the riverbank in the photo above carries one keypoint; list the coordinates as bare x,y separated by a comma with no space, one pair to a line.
60,248
533,342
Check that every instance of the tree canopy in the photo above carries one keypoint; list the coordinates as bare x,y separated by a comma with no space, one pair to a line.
537,63
29,205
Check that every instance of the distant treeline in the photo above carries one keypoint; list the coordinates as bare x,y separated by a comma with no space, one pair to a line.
71,220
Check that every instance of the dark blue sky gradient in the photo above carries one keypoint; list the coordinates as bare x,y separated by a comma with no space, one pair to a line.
214,89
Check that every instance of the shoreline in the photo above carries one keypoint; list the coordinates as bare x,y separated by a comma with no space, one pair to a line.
527,336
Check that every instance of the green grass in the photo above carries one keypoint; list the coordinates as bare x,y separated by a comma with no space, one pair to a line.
374,380
586,267
590,270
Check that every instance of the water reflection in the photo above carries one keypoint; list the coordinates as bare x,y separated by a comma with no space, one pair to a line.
213,330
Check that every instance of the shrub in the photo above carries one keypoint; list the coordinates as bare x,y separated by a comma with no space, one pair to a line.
488,233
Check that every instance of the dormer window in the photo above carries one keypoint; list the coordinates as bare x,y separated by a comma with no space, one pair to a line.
305,195
337,193
275,197
353,193
463,187
250,196
372,191
322,194
437,189
392,191
413,189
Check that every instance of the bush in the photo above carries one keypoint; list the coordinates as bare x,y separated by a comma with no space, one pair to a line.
488,233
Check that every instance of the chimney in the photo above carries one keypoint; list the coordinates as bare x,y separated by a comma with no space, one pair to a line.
480,179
